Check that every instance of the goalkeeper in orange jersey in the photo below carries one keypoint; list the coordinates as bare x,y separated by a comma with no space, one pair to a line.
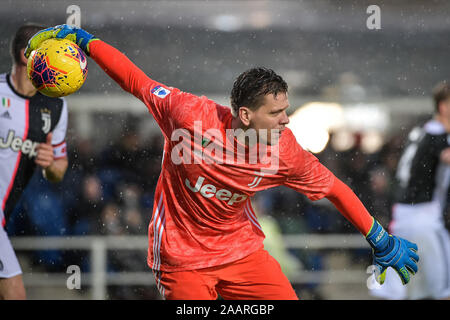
204,237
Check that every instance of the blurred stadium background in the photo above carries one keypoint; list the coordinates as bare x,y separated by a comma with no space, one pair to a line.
363,90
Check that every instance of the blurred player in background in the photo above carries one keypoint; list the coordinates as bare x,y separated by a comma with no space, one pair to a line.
423,176
204,237
32,134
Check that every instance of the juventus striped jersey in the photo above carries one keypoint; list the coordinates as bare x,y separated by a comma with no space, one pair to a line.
202,214
24,123
421,176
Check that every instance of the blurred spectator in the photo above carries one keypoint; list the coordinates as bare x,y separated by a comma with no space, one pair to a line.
134,223
111,224
123,155
83,157
85,214
129,195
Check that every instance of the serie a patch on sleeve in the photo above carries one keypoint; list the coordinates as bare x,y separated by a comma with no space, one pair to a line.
160,92
60,150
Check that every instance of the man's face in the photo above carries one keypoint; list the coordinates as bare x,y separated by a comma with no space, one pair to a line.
446,110
271,115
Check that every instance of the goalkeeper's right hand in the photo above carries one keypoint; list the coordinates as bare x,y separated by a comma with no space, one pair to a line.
63,31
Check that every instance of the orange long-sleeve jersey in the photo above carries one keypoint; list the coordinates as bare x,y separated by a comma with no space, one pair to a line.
202,214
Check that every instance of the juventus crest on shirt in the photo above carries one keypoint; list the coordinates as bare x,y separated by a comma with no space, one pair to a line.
24,123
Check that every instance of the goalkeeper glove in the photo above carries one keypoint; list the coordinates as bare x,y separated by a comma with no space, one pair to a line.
392,251
63,31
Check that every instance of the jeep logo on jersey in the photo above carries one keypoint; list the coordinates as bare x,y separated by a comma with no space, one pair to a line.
17,144
209,191
45,115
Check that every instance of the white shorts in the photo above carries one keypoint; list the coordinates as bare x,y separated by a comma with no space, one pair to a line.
423,225
9,266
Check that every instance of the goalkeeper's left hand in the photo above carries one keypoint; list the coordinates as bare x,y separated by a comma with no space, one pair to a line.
392,251
81,37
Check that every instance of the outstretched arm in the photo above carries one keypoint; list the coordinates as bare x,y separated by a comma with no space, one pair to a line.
308,176
346,201
158,98
111,60
388,250
119,68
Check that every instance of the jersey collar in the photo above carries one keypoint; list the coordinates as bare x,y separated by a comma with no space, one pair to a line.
8,81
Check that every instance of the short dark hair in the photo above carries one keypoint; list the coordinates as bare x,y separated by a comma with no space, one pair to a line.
20,39
251,86
440,93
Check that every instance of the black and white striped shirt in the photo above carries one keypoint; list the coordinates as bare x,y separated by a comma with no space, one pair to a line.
24,123
421,175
